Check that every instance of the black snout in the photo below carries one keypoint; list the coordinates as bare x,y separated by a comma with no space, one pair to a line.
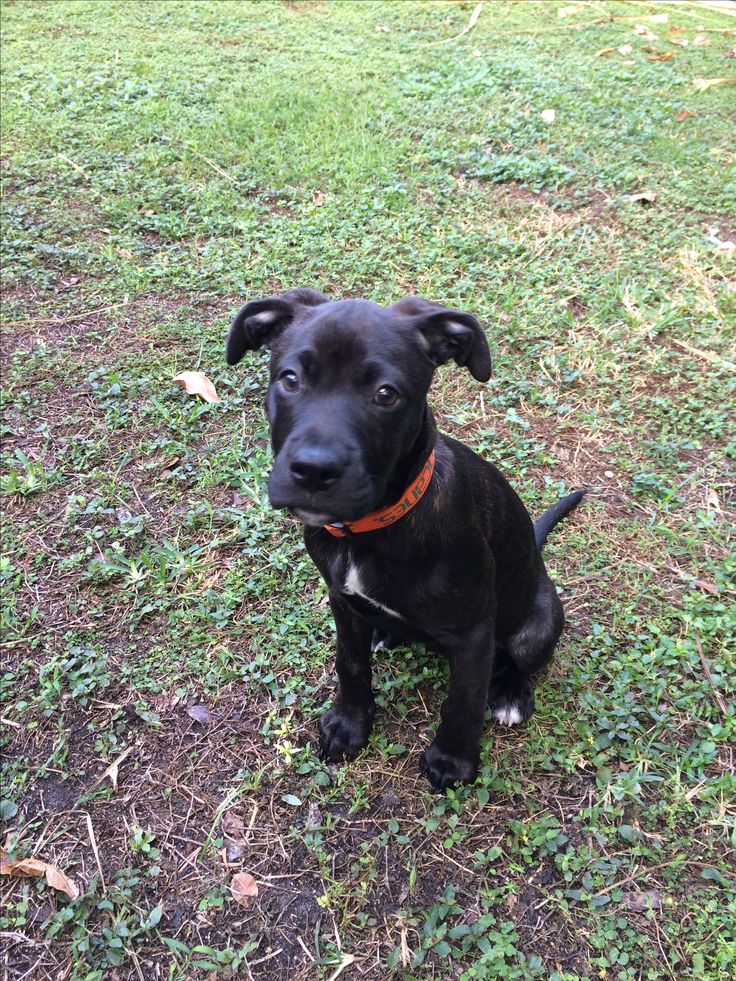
315,468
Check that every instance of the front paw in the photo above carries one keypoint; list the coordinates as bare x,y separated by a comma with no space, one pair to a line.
444,769
343,734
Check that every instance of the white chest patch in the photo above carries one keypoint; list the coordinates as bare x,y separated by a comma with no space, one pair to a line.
354,587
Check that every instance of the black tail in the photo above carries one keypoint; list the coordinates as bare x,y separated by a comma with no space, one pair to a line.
544,525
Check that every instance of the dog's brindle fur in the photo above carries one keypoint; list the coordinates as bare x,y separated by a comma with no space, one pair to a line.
461,571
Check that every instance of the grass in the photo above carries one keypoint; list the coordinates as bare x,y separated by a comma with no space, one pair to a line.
164,161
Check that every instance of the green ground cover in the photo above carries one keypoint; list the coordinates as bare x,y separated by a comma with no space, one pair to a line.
164,161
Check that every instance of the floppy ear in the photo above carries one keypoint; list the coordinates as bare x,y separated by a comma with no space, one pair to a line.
448,334
260,322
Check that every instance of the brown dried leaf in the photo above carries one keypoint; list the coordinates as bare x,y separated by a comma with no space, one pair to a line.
318,198
243,888
197,383
703,84
58,880
233,825
701,40
35,867
646,197
662,57
604,51
625,49
640,902
644,32
681,42
200,713
684,113
713,500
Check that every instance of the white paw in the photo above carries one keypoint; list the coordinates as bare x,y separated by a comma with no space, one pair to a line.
508,716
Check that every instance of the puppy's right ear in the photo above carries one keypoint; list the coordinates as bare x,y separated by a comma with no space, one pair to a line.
260,322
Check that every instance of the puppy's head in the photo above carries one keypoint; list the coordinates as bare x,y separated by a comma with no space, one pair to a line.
347,391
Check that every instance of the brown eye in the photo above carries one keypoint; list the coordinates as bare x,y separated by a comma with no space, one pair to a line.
289,381
386,396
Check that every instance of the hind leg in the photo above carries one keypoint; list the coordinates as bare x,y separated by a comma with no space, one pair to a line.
510,692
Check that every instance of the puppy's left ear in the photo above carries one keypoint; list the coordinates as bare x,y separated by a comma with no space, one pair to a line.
260,322
448,335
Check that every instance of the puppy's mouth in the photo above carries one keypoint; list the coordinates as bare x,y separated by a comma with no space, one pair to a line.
352,497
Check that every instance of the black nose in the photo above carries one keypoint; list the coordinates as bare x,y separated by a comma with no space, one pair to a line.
315,468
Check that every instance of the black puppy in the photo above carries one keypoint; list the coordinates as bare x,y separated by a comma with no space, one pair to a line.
416,536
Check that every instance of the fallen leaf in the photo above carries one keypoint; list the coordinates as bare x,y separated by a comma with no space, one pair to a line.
701,40
197,383
8,810
548,115
381,29
713,500
474,17
58,880
722,244
707,587
34,867
318,198
681,42
643,31
646,197
684,113
625,49
703,84
233,825
568,11
243,888
731,53
237,500
200,713
604,51
662,57
658,18
640,902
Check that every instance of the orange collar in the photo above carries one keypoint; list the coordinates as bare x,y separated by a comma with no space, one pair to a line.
392,512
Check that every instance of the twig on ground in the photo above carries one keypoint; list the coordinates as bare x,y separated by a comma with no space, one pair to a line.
93,842
108,772
216,167
705,355
58,321
719,698
469,26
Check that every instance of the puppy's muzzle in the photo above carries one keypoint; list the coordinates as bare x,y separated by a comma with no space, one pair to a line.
316,468
321,482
